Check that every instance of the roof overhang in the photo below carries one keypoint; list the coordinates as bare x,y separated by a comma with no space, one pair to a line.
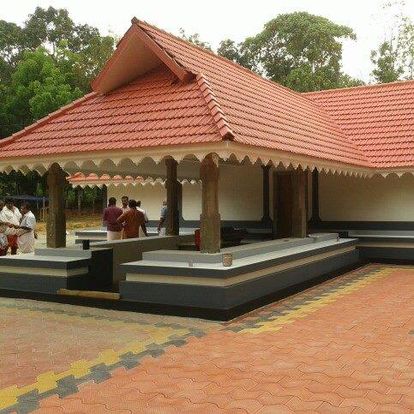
147,161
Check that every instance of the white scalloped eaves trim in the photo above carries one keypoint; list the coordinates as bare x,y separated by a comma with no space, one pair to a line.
116,162
125,183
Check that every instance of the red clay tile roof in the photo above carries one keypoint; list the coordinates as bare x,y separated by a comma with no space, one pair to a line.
378,118
80,178
195,96
153,110
262,113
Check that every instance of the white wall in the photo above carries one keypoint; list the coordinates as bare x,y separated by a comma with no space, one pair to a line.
366,199
151,196
240,195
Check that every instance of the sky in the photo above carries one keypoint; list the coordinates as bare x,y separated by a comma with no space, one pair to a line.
215,20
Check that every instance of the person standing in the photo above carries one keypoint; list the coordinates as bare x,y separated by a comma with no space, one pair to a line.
163,219
26,238
110,216
139,208
132,221
124,208
124,201
11,216
4,244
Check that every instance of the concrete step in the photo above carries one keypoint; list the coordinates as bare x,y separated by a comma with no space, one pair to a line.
238,252
63,252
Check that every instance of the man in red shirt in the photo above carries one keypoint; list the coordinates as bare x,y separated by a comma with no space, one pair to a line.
132,220
110,217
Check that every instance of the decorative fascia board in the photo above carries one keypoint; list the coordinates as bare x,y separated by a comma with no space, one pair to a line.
228,151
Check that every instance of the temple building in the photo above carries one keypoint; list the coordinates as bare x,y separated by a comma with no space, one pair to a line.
227,149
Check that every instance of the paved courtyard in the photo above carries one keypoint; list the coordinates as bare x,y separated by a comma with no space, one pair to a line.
344,346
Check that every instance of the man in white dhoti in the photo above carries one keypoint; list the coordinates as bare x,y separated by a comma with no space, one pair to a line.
4,244
26,230
11,216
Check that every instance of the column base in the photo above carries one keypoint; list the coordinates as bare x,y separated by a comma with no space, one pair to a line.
210,233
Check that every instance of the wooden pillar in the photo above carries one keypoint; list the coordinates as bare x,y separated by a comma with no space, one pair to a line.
180,202
210,216
56,218
266,194
173,215
104,197
315,197
299,216
275,205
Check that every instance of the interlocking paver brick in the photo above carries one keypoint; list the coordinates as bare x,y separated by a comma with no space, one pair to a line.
351,351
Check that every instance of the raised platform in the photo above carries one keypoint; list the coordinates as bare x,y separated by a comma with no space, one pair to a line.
171,281
385,245
195,280
48,270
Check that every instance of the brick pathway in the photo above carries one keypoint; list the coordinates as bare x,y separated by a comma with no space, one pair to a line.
344,346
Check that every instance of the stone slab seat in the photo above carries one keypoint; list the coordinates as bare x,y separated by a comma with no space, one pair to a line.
390,246
238,252
42,274
48,270
210,285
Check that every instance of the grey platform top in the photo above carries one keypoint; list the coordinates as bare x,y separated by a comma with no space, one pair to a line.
259,252
392,234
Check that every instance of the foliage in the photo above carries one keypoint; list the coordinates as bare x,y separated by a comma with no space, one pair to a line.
45,64
394,58
195,39
298,50
36,89
387,67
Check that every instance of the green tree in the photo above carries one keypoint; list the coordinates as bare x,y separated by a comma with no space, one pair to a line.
387,66
47,28
239,53
37,88
295,48
394,58
195,39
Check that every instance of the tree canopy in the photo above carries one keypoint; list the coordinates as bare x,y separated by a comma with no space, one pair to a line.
298,50
394,58
45,64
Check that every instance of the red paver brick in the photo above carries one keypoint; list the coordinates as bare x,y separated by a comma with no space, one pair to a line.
245,371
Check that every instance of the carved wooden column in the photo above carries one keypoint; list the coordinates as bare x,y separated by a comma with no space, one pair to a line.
104,197
275,205
299,219
210,216
266,195
315,197
56,218
173,215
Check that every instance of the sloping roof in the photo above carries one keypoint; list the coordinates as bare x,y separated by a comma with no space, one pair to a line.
187,96
378,118
153,110
262,113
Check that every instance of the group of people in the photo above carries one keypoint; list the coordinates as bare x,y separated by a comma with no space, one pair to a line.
17,228
129,221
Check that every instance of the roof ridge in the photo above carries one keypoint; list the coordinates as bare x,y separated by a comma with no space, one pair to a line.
46,118
215,108
359,87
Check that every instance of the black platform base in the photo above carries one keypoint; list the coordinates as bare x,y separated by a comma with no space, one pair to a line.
174,310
